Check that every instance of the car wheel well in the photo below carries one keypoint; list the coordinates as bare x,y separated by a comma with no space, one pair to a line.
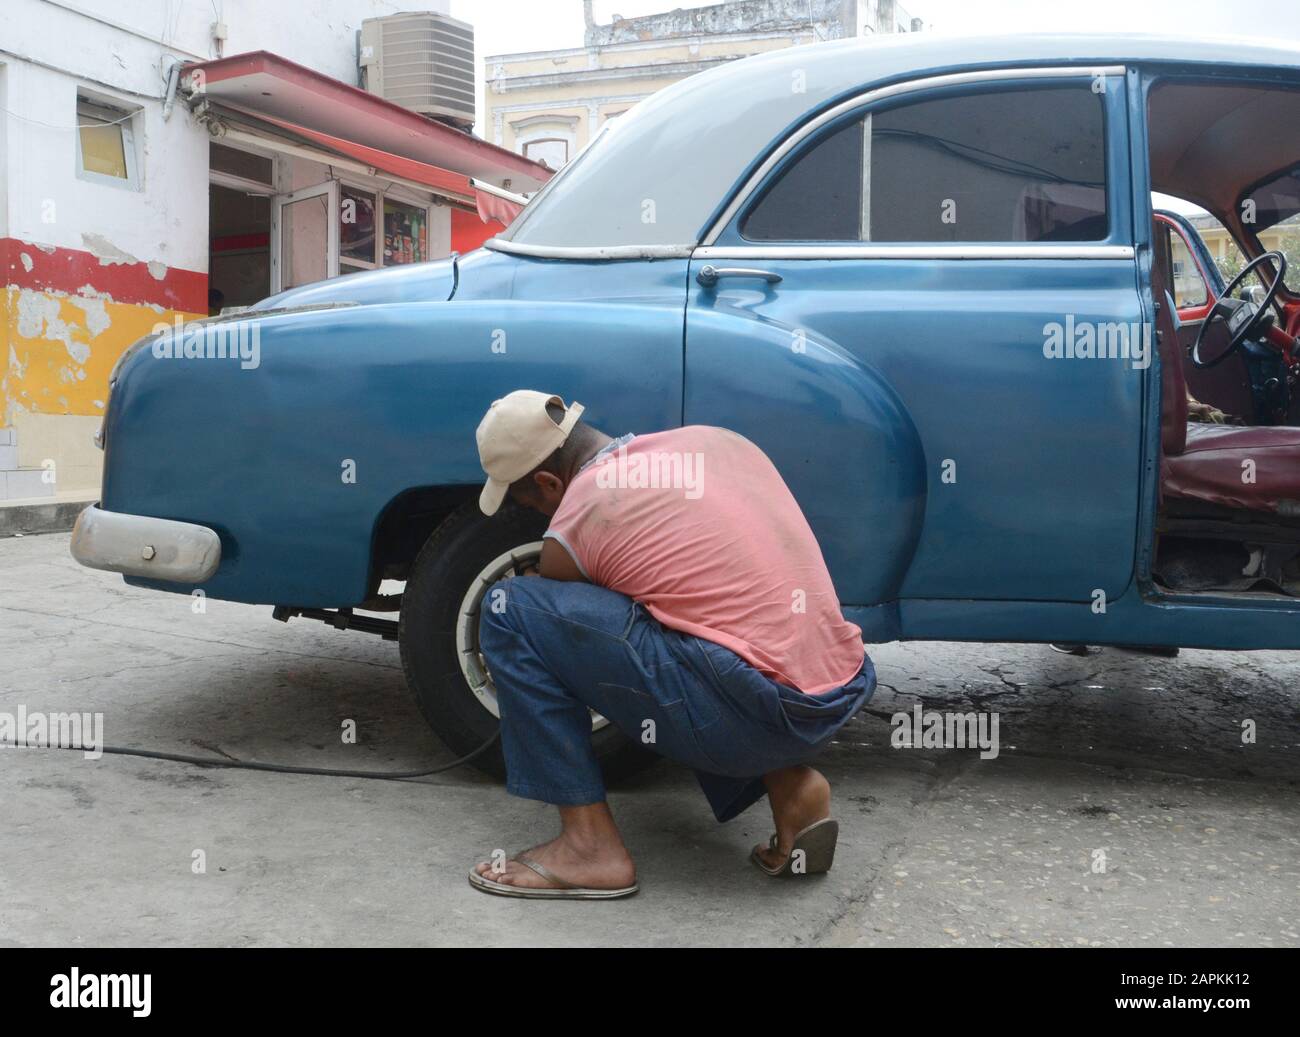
405,525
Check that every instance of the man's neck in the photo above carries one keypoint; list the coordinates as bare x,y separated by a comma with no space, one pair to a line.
597,444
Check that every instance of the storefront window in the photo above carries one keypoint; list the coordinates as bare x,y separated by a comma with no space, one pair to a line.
406,234
336,228
356,228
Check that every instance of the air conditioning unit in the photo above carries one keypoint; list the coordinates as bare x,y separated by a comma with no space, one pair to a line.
422,61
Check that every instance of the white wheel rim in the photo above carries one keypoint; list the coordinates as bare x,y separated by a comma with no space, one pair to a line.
472,664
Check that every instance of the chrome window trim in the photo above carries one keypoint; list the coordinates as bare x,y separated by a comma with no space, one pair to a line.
941,251
590,251
863,251
864,199
878,94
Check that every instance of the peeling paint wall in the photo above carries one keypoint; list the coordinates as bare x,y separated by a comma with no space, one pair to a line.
88,267
67,315
61,348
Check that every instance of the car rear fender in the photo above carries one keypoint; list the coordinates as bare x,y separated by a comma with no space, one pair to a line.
293,461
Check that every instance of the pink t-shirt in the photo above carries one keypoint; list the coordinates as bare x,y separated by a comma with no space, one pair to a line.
697,525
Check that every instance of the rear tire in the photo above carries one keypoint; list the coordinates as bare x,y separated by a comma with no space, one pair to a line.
449,565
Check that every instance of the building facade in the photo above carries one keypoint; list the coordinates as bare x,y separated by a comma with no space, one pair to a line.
547,105
146,177
1284,238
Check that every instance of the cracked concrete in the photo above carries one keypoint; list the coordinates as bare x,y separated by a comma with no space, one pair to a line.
1123,809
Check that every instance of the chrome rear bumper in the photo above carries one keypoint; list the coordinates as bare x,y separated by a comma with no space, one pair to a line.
153,548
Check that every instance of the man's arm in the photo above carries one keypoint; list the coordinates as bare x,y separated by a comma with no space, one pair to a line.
557,564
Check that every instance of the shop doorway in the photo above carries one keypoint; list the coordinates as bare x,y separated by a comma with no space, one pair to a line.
239,228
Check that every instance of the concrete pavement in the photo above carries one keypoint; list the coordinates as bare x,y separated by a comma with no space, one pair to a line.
1123,808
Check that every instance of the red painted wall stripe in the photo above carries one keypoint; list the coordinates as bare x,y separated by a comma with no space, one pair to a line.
69,270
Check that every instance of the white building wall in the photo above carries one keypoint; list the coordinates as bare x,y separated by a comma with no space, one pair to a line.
59,343
50,49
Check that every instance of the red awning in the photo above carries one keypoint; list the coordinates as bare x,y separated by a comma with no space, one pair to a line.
281,91
455,185
494,207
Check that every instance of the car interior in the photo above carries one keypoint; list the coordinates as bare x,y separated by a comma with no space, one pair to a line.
1229,518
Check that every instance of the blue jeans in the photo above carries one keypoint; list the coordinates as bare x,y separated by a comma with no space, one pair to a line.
556,649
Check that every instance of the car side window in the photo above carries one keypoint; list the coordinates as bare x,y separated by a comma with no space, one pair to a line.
1013,165
1189,285
819,197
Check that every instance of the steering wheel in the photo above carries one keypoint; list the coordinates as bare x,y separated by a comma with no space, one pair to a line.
1242,315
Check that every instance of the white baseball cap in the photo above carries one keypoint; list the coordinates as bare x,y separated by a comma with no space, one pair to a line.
515,436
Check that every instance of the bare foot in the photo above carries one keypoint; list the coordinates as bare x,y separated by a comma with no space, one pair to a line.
589,852
800,796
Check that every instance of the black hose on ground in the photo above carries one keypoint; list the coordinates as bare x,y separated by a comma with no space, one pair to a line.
276,768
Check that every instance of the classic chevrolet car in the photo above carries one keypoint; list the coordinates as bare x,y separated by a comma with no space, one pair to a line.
927,276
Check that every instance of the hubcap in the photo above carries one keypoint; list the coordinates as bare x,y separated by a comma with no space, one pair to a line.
509,565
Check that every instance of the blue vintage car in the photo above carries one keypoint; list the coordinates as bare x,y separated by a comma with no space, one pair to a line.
927,276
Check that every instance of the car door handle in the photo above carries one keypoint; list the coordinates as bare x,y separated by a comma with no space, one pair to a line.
709,275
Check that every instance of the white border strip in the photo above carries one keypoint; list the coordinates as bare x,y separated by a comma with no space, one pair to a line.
500,192
1029,251
871,96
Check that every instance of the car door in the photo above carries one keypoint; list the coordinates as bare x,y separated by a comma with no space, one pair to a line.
953,242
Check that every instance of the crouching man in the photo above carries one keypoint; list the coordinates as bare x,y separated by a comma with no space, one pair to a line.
681,594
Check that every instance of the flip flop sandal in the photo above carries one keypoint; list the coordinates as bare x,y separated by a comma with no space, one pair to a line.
817,842
562,891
